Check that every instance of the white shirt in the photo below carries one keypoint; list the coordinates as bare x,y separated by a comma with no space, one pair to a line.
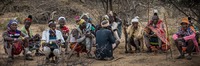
45,36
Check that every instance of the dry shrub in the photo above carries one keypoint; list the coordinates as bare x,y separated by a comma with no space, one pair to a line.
3,25
20,17
42,28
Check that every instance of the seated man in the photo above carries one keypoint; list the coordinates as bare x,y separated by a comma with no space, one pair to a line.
185,40
13,43
85,30
135,35
76,41
88,20
104,41
33,41
98,26
52,38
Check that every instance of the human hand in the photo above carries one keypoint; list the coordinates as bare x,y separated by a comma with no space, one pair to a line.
180,39
152,35
117,42
88,35
16,40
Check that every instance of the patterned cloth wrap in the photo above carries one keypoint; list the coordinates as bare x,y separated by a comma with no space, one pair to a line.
17,46
79,48
181,33
154,41
158,29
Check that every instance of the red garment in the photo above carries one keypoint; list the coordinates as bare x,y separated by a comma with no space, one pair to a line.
28,19
79,48
159,31
65,29
159,23
17,48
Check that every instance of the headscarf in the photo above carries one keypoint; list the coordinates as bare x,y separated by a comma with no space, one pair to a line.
61,18
81,21
135,19
105,23
51,22
76,17
84,14
12,21
155,11
28,19
105,17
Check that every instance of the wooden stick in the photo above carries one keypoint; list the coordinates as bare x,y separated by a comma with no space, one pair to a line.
148,10
52,15
70,54
167,36
125,34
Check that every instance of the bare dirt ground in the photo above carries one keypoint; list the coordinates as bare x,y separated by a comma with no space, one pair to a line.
121,59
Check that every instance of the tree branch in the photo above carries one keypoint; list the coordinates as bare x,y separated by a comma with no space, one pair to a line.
103,4
194,12
111,8
181,10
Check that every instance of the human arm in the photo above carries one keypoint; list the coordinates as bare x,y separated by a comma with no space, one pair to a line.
6,37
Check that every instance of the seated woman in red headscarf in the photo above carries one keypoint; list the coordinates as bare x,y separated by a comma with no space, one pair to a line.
13,43
32,40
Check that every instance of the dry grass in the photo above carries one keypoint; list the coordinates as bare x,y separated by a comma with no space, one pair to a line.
3,25
41,28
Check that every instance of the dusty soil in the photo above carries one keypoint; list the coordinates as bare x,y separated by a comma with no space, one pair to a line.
121,59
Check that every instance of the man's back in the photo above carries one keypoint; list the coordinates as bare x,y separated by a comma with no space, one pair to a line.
104,36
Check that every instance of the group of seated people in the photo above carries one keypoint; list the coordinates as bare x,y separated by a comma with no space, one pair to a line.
105,36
